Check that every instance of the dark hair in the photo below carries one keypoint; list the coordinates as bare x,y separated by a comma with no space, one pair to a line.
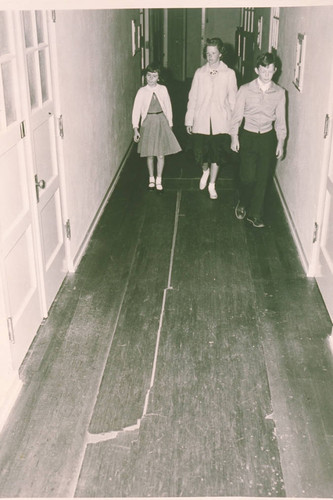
266,59
213,42
152,68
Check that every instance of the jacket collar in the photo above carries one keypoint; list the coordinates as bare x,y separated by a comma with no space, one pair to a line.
221,67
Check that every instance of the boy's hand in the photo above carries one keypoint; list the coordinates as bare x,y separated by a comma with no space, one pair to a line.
279,150
136,135
235,143
189,129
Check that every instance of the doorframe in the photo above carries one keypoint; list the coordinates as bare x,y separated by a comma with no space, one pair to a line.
51,25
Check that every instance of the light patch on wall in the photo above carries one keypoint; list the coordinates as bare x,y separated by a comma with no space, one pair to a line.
133,38
300,61
136,37
259,32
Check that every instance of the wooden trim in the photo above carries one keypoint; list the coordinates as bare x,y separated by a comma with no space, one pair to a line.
292,228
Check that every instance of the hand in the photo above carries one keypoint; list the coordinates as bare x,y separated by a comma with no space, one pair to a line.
235,143
136,137
189,129
279,150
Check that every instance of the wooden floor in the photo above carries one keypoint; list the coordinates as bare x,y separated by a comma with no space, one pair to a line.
187,356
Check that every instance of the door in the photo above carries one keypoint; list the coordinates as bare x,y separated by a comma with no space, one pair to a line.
156,30
32,260
321,262
43,142
324,273
19,273
245,54
176,43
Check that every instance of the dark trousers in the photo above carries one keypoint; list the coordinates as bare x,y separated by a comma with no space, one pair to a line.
257,156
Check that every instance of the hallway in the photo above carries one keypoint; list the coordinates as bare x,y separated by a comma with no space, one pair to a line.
187,356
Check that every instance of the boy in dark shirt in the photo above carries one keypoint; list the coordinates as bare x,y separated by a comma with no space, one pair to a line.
261,103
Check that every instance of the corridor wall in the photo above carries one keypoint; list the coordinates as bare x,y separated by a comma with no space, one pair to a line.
299,174
98,79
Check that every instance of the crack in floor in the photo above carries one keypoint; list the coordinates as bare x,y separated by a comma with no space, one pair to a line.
91,439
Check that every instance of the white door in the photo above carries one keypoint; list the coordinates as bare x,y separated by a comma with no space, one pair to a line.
43,125
324,274
321,263
19,272
32,260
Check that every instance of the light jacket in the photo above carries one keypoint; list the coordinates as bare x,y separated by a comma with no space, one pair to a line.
211,100
142,101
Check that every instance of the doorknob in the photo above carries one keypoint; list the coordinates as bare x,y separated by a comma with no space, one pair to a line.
39,185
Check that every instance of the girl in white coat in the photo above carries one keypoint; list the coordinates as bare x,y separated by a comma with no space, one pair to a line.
211,101
152,107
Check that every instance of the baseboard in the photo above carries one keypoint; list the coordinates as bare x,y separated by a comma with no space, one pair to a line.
300,250
99,213
8,398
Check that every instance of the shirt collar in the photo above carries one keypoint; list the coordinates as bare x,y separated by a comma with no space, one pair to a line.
152,89
263,86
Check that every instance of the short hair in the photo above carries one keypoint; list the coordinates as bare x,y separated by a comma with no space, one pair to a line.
266,59
152,68
213,42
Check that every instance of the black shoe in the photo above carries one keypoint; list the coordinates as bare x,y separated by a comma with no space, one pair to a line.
256,222
240,211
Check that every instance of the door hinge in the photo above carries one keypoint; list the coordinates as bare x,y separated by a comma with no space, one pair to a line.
68,229
22,130
10,330
326,125
61,126
54,16
315,233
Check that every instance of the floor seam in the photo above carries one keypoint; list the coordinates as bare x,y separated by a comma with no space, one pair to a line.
105,436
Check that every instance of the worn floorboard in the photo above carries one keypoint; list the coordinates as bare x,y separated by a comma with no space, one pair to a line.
241,397
206,431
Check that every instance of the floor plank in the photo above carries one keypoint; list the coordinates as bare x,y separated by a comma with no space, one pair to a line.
240,404
206,431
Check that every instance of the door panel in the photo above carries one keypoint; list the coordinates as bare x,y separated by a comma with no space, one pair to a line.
18,264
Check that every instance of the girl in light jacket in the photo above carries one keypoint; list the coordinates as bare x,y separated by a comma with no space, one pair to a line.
210,103
152,107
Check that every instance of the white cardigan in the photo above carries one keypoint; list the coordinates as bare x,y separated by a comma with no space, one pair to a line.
211,101
142,101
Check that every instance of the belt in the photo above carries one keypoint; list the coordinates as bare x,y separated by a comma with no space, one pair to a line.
157,113
258,131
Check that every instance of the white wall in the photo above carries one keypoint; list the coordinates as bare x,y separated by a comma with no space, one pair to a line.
98,79
299,173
